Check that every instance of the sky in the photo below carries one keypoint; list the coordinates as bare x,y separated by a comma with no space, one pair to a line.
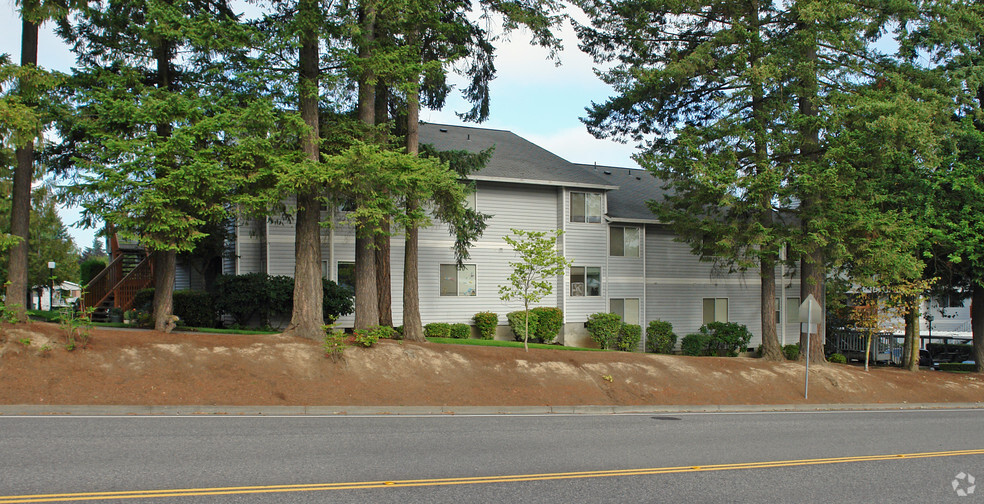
531,96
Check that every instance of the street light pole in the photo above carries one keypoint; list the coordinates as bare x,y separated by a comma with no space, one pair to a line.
51,288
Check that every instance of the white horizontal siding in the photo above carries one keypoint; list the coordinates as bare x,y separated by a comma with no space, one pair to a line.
585,244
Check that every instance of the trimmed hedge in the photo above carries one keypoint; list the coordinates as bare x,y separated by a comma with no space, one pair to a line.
437,330
660,337
194,308
956,366
368,337
629,337
695,344
257,294
837,358
727,338
604,329
517,322
549,320
90,268
486,323
460,331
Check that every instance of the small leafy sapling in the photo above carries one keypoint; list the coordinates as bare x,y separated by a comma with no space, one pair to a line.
538,262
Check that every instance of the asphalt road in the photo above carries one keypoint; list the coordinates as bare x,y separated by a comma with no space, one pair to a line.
733,457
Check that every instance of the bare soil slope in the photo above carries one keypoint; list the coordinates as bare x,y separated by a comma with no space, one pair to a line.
141,367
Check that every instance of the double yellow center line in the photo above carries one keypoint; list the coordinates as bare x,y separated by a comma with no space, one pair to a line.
320,487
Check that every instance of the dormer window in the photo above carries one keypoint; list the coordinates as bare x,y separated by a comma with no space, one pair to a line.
585,207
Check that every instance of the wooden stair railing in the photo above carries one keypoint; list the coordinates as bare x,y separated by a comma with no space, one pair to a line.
131,270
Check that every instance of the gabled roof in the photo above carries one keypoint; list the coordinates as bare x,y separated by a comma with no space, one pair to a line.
514,160
635,187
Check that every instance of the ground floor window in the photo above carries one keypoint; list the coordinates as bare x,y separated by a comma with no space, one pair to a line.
585,281
457,282
627,308
715,310
346,274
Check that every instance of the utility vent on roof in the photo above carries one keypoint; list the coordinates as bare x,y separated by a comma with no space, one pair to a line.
608,172
443,130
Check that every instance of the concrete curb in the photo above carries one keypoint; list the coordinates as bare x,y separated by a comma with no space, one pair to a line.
192,410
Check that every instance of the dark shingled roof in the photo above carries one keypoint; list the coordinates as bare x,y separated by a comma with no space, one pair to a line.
635,188
515,159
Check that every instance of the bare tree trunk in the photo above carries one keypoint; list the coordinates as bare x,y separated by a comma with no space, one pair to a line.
306,318
912,338
382,252
366,294
977,325
812,265
164,265
20,211
412,329
771,349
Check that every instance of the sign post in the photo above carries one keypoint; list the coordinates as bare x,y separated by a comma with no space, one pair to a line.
808,312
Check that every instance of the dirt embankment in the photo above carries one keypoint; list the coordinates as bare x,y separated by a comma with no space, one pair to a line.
140,367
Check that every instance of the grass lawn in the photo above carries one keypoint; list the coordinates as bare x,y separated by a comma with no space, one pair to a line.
513,344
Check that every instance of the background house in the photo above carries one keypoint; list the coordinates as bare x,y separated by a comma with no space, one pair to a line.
623,259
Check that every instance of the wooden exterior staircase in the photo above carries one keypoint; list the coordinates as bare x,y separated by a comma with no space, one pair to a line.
130,270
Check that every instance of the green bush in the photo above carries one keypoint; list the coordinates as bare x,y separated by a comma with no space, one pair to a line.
144,300
460,331
252,294
194,308
727,338
486,323
517,322
437,330
90,268
629,337
695,344
604,329
368,337
660,337
837,358
792,352
549,320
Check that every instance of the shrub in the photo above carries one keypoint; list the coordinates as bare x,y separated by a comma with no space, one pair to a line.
460,331
144,300
838,358
517,322
549,320
727,338
660,337
629,337
604,329
486,323
334,344
90,268
251,294
337,300
368,337
792,352
695,344
194,308
437,330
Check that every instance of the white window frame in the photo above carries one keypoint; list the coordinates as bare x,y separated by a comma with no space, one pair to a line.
586,214
717,307
612,241
461,282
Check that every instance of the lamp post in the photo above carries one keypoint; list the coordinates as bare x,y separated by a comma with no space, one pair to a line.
51,289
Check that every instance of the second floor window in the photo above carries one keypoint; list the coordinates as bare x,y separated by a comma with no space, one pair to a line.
585,207
624,242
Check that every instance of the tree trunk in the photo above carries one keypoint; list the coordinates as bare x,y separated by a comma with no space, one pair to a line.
306,318
812,264
383,265
366,294
977,325
164,265
20,211
412,329
907,340
912,338
771,349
